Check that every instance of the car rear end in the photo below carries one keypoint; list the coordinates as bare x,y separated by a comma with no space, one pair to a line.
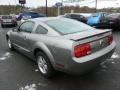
8,20
85,48
89,51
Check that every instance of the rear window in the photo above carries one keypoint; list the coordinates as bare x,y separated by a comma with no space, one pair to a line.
95,14
67,26
6,17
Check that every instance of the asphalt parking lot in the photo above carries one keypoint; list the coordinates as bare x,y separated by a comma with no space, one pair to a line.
17,72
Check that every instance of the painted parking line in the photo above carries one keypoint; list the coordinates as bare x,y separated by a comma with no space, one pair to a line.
36,70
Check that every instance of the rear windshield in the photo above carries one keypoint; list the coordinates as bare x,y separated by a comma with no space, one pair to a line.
6,17
67,26
95,14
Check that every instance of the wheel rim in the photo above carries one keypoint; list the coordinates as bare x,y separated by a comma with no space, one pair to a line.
42,64
9,43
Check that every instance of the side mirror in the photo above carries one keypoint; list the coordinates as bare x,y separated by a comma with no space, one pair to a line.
15,29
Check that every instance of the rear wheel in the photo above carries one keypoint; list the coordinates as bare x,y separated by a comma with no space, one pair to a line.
44,65
10,45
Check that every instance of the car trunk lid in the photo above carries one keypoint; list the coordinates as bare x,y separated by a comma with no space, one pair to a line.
98,39
87,34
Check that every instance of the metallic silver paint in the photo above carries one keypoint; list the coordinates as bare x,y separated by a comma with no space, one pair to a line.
60,48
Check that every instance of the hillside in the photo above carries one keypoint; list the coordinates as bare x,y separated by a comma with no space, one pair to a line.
91,3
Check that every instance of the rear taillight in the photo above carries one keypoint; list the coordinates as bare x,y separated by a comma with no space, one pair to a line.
110,39
13,19
82,50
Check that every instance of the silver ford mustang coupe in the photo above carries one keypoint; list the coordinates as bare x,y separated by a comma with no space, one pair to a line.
61,44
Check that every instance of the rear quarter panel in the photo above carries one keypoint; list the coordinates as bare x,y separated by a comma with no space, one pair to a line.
56,48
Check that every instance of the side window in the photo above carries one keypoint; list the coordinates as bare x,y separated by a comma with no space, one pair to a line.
41,30
75,16
27,27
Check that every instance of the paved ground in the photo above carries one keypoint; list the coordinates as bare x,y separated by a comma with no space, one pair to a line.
17,72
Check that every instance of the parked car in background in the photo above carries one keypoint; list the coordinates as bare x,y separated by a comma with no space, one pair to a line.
113,20
25,18
8,20
62,44
31,14
96,20
76,16
86,15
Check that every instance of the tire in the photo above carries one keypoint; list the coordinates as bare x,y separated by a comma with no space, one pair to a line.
44,65
10,45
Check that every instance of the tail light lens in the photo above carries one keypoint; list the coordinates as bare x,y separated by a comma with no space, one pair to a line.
82,50
110,39
13,19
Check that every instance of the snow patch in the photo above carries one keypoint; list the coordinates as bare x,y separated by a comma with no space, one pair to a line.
29,87
36,70
113,62
5,56
115,55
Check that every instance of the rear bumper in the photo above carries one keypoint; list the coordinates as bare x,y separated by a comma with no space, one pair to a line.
8,23
83,65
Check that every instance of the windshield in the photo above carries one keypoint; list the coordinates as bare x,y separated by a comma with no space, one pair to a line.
67,26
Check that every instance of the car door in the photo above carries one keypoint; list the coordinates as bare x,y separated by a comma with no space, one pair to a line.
20,37
26,30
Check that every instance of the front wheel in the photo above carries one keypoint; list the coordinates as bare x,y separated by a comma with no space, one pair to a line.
44,65
10,45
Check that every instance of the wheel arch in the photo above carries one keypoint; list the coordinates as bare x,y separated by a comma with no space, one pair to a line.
43,48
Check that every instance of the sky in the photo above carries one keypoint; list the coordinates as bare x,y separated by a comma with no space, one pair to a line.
30,3
89,3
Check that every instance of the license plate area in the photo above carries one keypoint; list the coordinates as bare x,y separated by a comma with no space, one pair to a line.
99,44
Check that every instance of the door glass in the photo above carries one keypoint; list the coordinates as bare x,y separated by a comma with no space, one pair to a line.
27,27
